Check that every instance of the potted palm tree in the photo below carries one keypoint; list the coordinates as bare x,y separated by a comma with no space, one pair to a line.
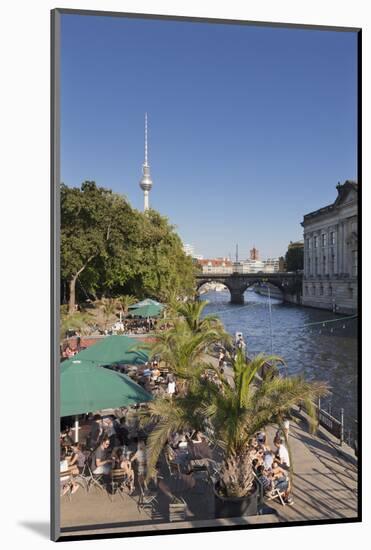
231,413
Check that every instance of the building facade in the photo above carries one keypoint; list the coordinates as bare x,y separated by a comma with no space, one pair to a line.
271,265
216,266
331,253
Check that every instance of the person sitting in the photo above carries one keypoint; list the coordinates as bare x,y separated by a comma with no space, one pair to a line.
261,439
67,482
66,439
124,465
281,482
264,479
100,463
78,458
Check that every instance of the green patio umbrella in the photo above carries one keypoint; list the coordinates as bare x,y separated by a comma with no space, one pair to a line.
150,310
86,387
147,302
115,349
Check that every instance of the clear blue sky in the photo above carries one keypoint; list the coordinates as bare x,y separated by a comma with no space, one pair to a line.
250,128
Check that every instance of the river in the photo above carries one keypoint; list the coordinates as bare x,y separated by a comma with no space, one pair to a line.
320,352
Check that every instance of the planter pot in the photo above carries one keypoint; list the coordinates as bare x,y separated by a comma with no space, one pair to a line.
232,507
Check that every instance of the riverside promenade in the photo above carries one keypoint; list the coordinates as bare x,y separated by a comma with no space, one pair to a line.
325,488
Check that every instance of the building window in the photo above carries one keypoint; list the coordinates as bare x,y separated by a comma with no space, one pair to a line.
321,290
313,290
324,265
330,290
316,266
323,239
332,237
332,264
350,290
309,243
306,291
309,273
314,242
354,263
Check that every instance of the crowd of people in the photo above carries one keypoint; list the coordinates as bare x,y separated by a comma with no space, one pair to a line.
272,467
110,445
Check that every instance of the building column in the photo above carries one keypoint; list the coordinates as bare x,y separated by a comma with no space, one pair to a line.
340,248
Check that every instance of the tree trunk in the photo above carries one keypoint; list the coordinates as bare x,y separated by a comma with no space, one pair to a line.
72,300
72,283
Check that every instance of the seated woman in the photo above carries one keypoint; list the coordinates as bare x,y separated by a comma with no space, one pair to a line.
261,439
67,482
122,465
281,482
78,457
126,467
264,478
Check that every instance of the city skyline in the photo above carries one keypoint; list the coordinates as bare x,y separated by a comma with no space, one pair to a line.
250,127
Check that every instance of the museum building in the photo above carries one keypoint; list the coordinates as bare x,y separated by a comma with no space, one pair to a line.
331,253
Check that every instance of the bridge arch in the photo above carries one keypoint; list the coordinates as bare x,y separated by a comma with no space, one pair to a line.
200,283
289,283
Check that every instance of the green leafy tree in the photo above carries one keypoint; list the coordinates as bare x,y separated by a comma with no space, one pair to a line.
294,257
112,249
88,230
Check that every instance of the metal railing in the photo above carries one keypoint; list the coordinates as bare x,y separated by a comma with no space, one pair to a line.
345,432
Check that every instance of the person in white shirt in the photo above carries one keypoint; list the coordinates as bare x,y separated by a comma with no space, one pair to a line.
282,453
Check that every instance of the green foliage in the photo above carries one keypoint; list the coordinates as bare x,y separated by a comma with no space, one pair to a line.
125,301
78,321
294,258
231,413
112,249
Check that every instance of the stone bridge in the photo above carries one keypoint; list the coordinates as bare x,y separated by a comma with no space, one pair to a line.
289,283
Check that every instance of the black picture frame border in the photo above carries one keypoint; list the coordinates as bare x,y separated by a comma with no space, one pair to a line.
61,535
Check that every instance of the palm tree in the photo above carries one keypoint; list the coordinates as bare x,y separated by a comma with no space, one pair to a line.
77,321
107,308
191,312
184,352
232,414
125,301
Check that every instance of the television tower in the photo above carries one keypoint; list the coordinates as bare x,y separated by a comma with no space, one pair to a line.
146,182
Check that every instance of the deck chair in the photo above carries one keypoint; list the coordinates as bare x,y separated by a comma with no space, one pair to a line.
119,483
147,500
275,493
91,479
66,483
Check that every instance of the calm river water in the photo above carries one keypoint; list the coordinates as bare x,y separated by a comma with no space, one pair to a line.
319,352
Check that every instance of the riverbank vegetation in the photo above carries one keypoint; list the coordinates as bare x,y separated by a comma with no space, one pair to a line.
109,249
